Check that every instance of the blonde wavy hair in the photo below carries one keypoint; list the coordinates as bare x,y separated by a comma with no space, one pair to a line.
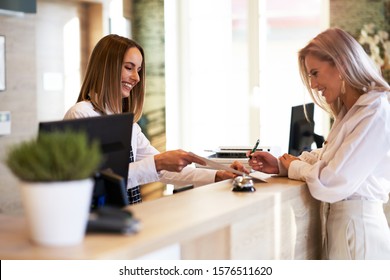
341,50
102,81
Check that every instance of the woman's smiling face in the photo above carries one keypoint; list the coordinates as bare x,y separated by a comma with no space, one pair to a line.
131,67
323,77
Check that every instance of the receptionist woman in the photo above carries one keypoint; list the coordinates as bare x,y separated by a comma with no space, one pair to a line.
115,83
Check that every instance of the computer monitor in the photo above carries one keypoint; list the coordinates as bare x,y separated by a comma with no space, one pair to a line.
114,135
301,129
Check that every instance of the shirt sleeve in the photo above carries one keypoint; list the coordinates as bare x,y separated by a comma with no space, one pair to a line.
143,169
142,172
189,175
300,169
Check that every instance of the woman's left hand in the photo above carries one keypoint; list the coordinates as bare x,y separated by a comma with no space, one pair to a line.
287,159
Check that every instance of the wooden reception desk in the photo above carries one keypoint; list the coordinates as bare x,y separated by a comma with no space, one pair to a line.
280,220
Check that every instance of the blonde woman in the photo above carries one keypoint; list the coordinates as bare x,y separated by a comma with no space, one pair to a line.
351,173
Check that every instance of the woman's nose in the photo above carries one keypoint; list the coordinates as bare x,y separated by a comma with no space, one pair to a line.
313,83
135,76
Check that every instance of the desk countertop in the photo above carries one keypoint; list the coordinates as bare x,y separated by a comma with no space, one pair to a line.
280,220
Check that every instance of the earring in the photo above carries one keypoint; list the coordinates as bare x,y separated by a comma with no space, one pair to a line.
342,90
343,87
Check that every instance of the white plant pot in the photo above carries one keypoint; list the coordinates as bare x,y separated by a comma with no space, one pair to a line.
57,212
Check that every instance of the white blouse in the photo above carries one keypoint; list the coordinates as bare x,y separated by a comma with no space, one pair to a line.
355,162
143,169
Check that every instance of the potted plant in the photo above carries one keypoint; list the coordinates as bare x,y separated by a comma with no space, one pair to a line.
55,172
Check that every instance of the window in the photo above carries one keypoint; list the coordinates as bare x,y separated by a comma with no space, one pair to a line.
231,69
288,26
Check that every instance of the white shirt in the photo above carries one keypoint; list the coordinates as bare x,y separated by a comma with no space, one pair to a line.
355,162
143,169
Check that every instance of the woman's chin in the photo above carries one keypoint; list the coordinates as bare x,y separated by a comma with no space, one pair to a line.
125,94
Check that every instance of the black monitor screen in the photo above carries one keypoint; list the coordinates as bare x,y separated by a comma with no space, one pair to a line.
113,133
301,129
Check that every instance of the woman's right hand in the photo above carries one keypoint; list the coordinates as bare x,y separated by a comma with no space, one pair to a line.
224,175
264,162
175,160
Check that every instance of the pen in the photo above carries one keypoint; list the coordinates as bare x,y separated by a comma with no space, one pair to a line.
254,148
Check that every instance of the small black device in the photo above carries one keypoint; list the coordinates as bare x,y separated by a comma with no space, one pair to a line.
182,189
108,219
110,190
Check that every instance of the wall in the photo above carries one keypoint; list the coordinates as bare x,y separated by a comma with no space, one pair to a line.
51,19
375,11
351,15
148,30
34,47
19,97
147,19
66,32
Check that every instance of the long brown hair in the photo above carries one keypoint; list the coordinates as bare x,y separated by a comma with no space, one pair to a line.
102,81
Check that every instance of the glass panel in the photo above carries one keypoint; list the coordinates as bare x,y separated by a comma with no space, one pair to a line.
290,24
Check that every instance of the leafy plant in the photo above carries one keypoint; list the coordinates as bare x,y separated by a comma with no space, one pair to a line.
55,156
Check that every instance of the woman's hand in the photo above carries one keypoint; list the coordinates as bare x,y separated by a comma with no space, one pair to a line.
287,159
264,162
224,175
175,160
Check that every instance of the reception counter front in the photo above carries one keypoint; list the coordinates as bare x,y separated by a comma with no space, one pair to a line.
280,220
